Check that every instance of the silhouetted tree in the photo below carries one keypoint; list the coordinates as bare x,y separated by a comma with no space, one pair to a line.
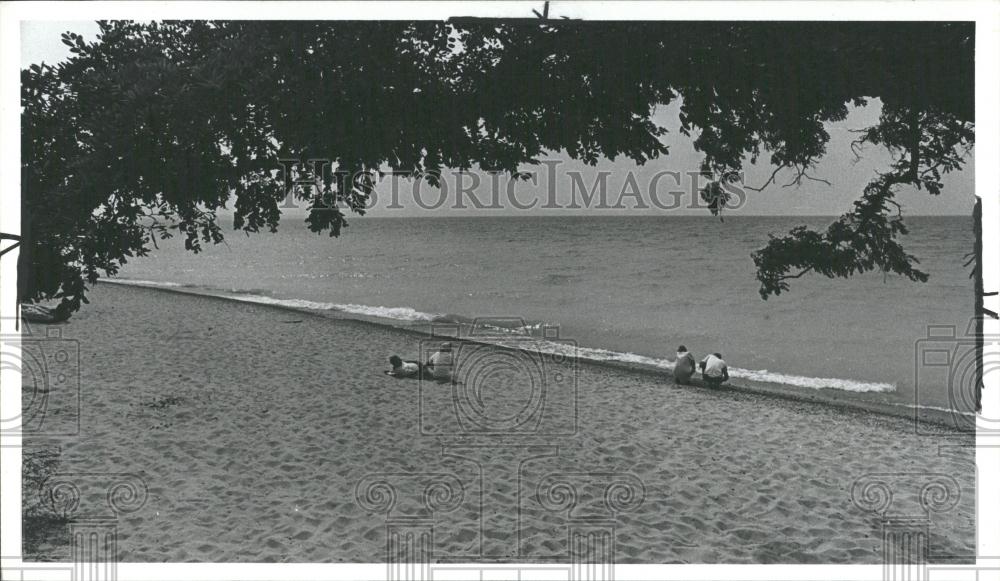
149,130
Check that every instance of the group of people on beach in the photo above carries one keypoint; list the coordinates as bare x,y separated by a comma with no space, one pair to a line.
714,371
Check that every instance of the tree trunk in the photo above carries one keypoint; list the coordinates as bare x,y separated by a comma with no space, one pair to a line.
979,314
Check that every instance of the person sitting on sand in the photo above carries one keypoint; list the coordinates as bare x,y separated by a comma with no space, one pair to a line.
684,366
402,368
714,370
440,363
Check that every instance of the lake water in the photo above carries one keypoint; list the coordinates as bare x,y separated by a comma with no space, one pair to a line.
621,287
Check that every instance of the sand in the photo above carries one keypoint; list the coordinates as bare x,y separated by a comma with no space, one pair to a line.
252,426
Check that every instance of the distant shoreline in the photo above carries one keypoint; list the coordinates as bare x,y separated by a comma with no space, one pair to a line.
867,402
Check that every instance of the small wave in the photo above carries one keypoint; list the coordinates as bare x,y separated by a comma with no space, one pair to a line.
487,325
761,375
503,332
397,313
452,318
140,282
811,382
243,296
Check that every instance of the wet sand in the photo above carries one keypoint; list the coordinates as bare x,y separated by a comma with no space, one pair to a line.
252,428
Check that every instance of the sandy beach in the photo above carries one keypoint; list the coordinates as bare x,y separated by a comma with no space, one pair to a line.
253,426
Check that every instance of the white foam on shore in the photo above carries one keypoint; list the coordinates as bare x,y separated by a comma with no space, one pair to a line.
140,282
408,314
761,375
397,313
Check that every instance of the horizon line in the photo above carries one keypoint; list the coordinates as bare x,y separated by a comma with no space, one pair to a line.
610,215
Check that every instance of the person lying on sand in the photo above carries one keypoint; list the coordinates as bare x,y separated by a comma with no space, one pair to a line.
439,364
684,366
714,370
402,368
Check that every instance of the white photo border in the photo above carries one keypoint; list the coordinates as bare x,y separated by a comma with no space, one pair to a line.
986,14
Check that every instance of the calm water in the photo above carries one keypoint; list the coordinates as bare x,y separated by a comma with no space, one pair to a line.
635,286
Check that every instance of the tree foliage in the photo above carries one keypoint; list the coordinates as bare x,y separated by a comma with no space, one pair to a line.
148,131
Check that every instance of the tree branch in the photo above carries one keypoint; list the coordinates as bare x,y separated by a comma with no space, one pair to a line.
797,181
769,181
800,274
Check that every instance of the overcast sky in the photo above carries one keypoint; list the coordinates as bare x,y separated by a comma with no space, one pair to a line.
40,42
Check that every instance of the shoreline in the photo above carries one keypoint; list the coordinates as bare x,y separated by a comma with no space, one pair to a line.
253,427
856,402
